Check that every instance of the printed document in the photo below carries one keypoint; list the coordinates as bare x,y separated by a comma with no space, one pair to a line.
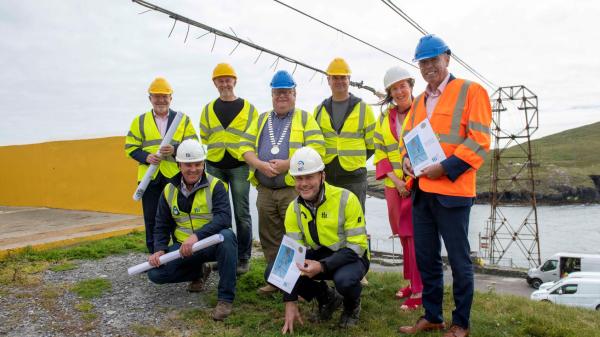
285,272
423,147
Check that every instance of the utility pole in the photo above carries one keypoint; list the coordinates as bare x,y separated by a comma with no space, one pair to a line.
512,178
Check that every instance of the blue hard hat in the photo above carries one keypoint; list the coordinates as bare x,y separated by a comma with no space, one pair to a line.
283,80
430,46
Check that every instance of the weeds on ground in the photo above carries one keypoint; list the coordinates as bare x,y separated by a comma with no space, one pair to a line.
91,288
63,266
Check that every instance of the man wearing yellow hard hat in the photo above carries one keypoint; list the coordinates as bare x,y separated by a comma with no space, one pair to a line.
348,126
142,144
222,122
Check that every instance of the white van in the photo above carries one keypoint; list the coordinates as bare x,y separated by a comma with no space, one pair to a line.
561,265
577,274
576,292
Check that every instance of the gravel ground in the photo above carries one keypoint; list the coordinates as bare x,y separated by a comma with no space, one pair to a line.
50,309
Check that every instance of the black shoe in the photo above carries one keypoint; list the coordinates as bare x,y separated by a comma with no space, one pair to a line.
243,267
327,306
350,315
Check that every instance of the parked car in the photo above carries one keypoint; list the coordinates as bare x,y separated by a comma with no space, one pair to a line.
561,265
576,292
577,274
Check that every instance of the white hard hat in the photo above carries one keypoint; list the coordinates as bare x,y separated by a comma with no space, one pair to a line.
190,151
305,161
395,74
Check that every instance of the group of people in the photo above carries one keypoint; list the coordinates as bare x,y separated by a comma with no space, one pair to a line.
310,173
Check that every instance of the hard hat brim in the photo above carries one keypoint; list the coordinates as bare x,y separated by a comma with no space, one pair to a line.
295,173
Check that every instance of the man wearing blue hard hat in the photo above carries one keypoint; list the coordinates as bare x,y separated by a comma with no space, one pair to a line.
267,147
460,114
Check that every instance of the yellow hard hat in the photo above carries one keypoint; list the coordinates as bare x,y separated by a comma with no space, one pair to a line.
160,86
338,67
223,69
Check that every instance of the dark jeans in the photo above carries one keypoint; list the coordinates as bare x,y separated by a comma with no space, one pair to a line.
432,219
237,178
190,269
346,279
149,206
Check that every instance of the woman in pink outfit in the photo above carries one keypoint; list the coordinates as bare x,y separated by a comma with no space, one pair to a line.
398,85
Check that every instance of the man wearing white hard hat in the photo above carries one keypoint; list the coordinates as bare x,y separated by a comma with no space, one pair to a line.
329,221
195,205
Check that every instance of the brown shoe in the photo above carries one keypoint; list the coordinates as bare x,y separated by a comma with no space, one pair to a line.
198,285
456,331
267,290
422,325
222,310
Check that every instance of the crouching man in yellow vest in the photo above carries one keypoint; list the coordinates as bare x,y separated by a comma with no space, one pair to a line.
329,221
195,205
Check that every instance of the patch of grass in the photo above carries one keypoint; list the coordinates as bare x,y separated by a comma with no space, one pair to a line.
144,330
63,267
84,306
91,288
16,273
133,242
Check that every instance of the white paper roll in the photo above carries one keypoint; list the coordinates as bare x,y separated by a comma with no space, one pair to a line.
209,241
139,192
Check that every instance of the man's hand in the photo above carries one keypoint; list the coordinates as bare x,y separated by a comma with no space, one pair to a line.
186,247
166,150
154,258
279,165
434,171
267,169
407,168
401,187
310,268
291,315
153,159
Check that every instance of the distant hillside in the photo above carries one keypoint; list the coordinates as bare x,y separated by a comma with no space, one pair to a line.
566,168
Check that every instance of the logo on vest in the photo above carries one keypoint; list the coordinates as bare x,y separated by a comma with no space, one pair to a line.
196,210
323,215
175,210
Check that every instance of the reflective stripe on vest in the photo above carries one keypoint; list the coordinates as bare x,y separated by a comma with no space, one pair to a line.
342,234
219,138
187,223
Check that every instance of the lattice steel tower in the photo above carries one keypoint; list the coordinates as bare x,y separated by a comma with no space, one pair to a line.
512,172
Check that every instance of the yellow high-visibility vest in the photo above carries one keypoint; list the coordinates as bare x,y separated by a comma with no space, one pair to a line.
219,139
339,221
304,132
200,214
354,139
143,134
387,147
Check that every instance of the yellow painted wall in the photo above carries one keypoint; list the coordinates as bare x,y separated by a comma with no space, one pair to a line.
91,174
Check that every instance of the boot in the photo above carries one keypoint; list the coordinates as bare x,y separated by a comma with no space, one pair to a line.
327,305
350,315
198,285
222,310
243,267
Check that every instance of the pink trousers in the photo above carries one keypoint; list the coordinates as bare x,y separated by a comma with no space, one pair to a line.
400,216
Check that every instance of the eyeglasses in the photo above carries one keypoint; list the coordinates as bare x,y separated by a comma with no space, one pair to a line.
282,92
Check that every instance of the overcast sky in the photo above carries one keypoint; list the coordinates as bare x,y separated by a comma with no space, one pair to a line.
80,69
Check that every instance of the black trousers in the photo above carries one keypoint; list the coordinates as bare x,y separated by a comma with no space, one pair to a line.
149,206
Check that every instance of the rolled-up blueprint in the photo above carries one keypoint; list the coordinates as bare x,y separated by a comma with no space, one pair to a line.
139,192
209,241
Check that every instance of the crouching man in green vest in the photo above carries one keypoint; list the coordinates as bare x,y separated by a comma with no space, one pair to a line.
329,221
195,205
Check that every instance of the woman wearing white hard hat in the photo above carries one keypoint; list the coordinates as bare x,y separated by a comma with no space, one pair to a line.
398,86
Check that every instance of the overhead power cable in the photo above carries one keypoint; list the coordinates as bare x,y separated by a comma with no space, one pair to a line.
413,23
239,41
347,34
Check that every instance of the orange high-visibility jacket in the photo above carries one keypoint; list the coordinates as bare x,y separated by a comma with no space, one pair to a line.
461,120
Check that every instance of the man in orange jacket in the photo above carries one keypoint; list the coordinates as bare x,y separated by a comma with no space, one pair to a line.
460,114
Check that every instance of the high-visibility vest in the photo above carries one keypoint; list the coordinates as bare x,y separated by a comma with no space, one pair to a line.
461,119
304,131
143,134
219,139
201,212
354,139
387,147
339,221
